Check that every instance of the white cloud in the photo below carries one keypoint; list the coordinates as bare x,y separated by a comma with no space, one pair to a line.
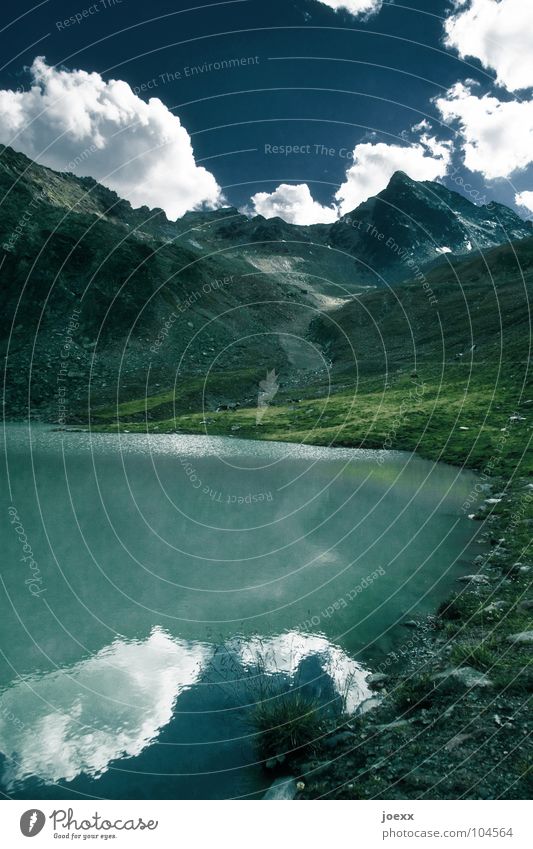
524,199
497,136
111,705
498,33
421,127
354,7
374,165
74,120
294,204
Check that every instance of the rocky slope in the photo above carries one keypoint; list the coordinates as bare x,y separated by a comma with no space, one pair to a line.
99,301
102,303
406,226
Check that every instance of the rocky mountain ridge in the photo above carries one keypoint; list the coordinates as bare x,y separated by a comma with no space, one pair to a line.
136,304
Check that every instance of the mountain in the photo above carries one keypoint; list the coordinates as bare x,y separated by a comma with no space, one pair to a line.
471,312
102,303
409,224
412,224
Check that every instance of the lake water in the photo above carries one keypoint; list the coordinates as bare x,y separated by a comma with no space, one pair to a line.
151,585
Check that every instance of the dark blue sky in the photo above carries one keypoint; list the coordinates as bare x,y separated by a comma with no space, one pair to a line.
321,77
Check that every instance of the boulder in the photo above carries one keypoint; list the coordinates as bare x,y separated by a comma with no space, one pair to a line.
458,740
377,680
272,763
338,739
282,789
465,676
524,638
495,606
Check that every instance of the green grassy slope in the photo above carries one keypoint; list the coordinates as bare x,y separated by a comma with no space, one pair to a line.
441,378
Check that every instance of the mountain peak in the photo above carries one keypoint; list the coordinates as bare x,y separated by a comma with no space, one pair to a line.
401,178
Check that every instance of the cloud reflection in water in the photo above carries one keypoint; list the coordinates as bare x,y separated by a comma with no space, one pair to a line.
114,704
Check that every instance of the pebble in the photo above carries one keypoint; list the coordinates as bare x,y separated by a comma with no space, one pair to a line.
393,726
475,579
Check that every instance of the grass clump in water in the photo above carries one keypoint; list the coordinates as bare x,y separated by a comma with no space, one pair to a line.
287,723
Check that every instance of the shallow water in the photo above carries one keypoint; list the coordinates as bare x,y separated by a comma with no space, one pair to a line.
169,579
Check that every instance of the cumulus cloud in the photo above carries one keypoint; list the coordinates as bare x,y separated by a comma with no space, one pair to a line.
108,706
354,7
374,165
294,204
498,33
524,199
422,126
497,136
74,120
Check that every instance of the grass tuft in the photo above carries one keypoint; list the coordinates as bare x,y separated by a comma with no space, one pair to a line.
287,723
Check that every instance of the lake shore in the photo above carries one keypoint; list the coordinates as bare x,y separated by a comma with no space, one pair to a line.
452,720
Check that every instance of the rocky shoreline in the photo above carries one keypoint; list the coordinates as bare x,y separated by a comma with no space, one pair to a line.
452,719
